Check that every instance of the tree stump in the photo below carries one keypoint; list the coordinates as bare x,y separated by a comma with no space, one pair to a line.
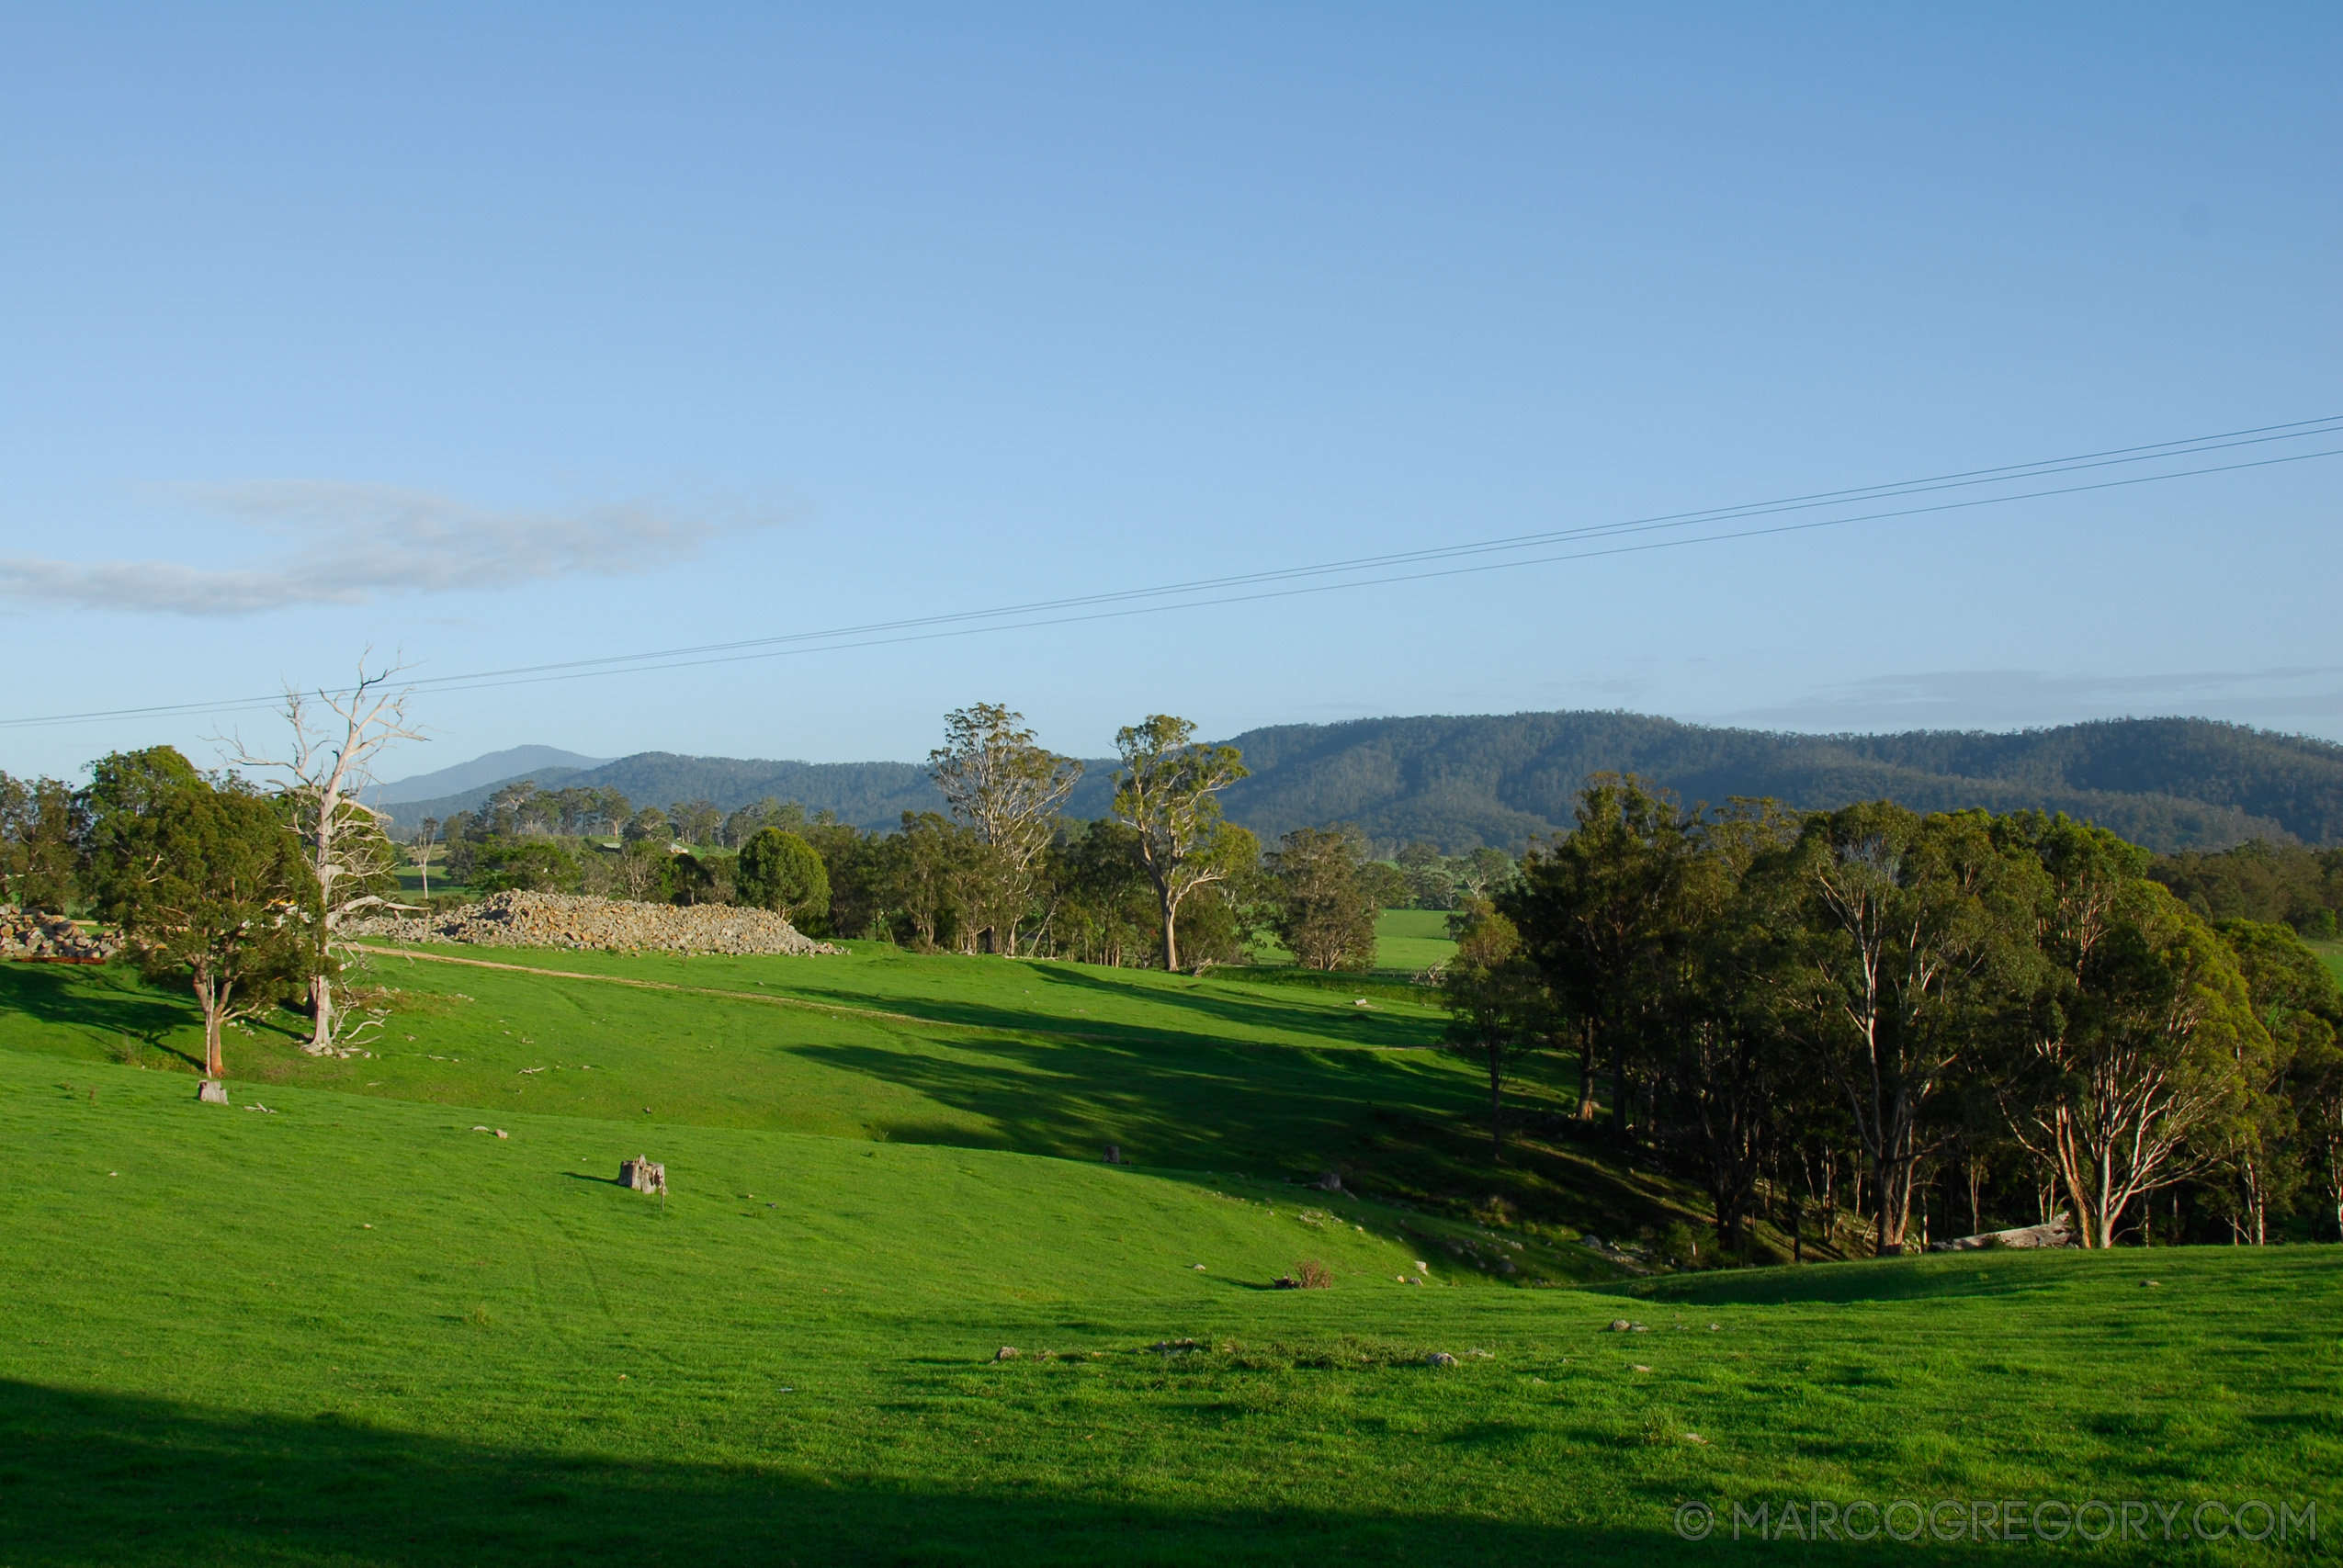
211,1091
644,1175
1114,1154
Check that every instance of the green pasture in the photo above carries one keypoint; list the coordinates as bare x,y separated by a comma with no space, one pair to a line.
1412,939
1407,942
1222,1074
353,1330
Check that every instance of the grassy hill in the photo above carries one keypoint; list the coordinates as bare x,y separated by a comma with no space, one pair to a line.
1224,1074
350,1329
1459,782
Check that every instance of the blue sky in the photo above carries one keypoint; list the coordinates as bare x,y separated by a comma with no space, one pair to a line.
508,336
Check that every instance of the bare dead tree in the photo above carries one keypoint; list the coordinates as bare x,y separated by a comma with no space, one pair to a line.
326,764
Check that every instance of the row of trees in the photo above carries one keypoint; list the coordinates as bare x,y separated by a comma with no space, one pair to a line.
2271,883
2014,1000
1166,879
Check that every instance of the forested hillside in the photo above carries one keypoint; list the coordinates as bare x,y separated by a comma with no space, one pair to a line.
2166,783
1457,782
868,794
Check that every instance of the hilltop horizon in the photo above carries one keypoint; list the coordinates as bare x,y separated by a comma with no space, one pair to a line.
1459,781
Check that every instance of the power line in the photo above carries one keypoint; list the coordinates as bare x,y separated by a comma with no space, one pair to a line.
1185,595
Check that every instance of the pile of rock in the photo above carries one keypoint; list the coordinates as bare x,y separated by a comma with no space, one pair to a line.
53,939
563,920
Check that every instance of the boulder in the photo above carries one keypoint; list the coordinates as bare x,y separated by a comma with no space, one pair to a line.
644,1174
1439,1359
2059,1232
211,1091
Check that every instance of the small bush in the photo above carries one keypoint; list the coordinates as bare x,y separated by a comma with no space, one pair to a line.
1680,1246
1313,1275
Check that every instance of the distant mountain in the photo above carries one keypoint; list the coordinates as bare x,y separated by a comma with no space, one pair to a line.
517,762
869,795
2166,783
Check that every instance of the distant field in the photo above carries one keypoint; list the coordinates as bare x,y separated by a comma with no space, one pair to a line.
1406,940
2333,953
1412,939
352,1330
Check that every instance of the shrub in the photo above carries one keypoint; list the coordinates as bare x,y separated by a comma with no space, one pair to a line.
779,871
532,865
1312,1274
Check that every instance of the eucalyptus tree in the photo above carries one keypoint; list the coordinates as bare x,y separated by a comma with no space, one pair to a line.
695,821
40,827
1104,907
1599,912
1000,782
1720,1050
1324,912
2140,1048
1904,927
1481,873
2273,1146
1168,792
1498,1011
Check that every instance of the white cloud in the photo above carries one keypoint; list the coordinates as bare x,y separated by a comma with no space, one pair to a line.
347,544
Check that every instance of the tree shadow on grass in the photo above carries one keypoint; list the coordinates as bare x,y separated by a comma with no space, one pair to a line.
1218,1107
1933,1276
111,998
1210,1014
137,1482
1407,1127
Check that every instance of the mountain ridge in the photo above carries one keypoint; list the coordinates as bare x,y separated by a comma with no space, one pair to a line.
488,771
1458,781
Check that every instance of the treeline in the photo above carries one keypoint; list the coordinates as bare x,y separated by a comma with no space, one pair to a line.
2271,883
1994,1018
1163,881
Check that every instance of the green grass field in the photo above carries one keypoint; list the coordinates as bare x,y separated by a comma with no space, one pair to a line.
1413,939
1407,942
352,1329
